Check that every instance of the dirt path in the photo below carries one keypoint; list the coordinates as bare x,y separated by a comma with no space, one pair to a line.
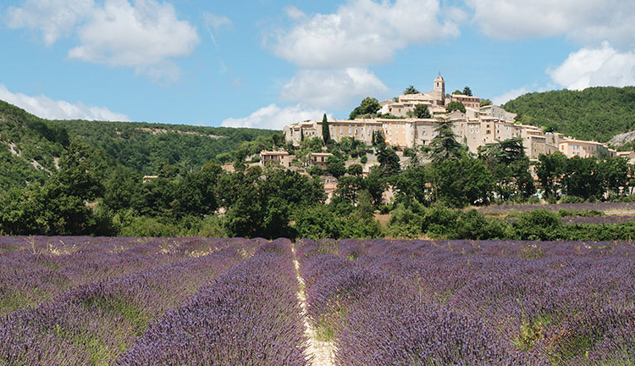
319,353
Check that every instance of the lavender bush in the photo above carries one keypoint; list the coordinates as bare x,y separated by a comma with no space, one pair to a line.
248,316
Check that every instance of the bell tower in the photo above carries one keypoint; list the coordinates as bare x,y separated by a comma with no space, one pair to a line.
439,87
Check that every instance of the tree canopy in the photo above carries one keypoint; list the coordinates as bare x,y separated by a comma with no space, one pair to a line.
597,113
444,145
368,107
455,105
422,111
410,90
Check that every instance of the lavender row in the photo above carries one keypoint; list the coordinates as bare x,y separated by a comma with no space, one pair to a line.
42,268
556,308
94,323
492,302
248,316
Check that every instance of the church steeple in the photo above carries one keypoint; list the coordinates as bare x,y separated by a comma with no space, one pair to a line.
439,86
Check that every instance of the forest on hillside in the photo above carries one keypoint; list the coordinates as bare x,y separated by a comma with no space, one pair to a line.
591,114
30,147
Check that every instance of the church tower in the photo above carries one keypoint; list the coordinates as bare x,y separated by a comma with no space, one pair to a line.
439,87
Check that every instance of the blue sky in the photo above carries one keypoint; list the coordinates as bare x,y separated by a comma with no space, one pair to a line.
266,63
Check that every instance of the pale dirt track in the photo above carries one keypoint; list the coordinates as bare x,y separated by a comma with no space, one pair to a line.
319,353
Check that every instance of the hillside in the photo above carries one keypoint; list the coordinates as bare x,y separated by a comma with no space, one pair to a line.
591,114
30,146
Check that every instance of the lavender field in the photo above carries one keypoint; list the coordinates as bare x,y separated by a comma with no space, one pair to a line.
134,301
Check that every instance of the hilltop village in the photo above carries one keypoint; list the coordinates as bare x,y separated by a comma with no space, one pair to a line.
476,123
478,126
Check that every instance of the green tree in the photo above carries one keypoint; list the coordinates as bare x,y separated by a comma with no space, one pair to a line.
614,174
355,169
582,178
335,166
378,139
410,90
318,222
550,172
422,111
326,133
444,145
463,182
467,91
368,107
509,165
485,102
388,161
455,105
413,185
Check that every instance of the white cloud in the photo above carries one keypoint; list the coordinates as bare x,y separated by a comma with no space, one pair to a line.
45,107
506,97
294,13
274,117
600,66
586,21
54,18
120,34
362,32
215,23
144,34
332,88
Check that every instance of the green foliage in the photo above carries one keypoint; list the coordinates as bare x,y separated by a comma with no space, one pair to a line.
597,113
368,107
59,207
315,171
335,166
444,145
467,91
441,222
455,105
404,223
473,225
410,90
326,132
318,222
146,147
485,102
510,169
355,169
422,111
550,171
388,161
463,182
538,225
584,178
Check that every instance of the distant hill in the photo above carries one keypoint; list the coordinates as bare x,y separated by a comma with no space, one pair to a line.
591,114
30,146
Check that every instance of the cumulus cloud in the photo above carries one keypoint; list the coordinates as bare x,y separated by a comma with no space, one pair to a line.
120,34
361,33
332,88
586,21
143,35
45,107
599,66
54,18
507,96
274,117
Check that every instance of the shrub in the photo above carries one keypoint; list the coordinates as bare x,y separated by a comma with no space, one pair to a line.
538,225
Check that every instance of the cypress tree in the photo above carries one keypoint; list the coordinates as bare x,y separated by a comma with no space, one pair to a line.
326,133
